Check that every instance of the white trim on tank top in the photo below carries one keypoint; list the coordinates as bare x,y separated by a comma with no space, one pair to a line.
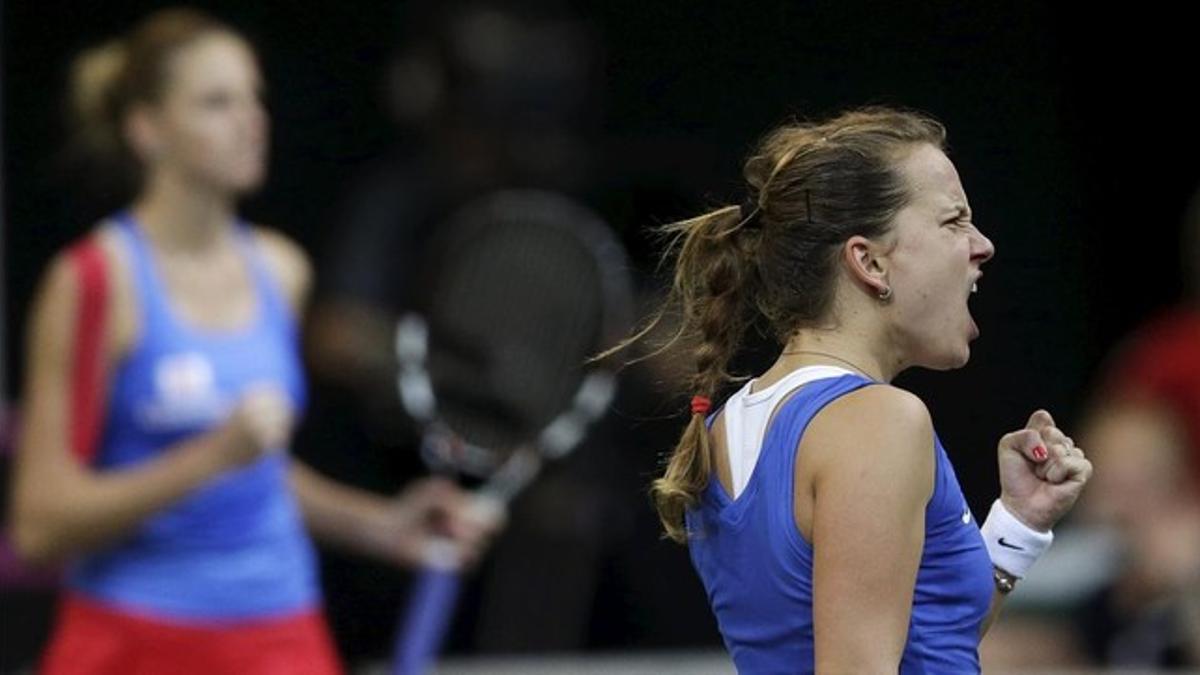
747,414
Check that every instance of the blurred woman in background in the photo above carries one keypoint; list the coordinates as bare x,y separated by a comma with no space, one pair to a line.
164,379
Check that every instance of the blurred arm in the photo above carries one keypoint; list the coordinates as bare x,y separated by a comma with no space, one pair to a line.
59,506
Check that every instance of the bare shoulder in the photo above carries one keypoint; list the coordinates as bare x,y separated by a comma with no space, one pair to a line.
55,305
882,424
59,286
883,405
287,262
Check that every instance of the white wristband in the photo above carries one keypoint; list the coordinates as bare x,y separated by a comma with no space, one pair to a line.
1013,545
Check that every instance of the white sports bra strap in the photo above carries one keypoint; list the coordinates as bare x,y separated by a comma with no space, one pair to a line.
748,413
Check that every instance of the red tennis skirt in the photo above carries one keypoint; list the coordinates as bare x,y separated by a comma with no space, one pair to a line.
94,639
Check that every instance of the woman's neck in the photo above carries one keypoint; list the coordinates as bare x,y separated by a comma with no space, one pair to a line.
179,217
843,348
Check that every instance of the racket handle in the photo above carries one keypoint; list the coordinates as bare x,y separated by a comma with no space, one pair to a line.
422,630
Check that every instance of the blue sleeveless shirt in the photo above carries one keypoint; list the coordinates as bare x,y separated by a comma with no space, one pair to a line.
235,548
757,568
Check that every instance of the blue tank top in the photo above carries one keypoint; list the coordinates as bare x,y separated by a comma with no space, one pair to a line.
757,568
235,548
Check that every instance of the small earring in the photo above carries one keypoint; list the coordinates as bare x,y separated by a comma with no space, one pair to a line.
886,294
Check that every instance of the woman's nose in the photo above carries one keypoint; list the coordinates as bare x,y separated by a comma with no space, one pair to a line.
982,248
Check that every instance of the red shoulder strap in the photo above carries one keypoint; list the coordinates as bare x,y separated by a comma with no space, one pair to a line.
87,370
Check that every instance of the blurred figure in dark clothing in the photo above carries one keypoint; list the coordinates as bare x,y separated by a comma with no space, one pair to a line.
486,96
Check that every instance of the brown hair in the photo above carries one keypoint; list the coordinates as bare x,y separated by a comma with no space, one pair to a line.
811,186
107,80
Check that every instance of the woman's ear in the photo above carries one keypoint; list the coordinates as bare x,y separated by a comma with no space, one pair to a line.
867,262
143,133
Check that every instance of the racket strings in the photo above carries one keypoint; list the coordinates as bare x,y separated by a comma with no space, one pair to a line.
521,288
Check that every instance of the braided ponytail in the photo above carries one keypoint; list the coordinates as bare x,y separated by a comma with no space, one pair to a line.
712,273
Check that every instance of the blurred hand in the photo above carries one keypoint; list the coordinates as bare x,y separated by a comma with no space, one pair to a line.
261,423
1042,473
435,517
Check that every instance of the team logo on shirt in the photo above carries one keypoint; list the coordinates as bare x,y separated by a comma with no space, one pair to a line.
185,393
966,517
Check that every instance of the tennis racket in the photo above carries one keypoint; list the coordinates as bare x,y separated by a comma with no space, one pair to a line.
522,287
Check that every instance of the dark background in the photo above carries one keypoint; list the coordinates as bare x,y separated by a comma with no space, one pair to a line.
1074,134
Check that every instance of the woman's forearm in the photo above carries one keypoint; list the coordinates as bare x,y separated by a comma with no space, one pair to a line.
334,513
62,511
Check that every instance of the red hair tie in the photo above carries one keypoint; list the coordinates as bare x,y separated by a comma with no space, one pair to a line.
701,405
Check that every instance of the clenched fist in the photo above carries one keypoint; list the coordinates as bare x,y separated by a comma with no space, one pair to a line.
261,423
1042,473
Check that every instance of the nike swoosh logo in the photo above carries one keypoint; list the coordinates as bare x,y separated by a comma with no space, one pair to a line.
1005,544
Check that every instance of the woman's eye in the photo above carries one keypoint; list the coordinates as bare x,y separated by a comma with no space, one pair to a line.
214,101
